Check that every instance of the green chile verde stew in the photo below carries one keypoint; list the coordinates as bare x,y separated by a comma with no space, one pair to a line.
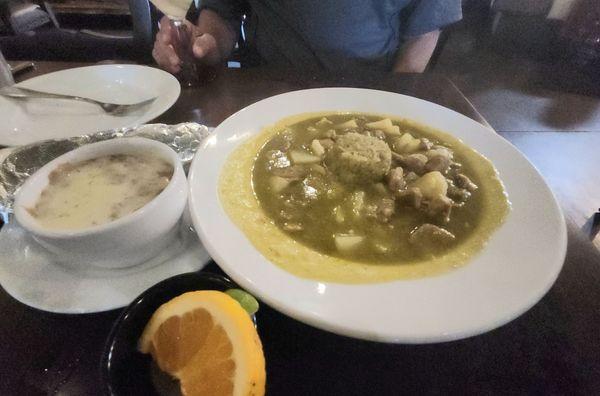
367,188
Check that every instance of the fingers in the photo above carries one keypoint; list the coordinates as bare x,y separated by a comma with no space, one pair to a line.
205,48
164,25
163,51
165,57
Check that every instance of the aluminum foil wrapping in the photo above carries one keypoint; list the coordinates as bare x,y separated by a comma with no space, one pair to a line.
21,162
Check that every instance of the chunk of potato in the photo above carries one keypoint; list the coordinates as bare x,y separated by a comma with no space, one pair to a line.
414,145
346,243
406,143
278,183
324,122
431,185
350,124
317,148
439,151
399,143
385,125
302,157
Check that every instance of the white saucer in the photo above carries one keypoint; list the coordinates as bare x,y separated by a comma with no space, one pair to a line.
29,274
25,122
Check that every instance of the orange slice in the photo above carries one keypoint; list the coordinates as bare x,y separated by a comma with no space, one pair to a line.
208,342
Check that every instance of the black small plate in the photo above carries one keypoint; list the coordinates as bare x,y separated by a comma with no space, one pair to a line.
126,371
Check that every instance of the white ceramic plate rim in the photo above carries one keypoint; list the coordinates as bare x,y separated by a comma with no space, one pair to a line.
163,102
31,276
518,266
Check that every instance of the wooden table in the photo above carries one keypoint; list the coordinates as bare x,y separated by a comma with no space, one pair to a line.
90,7
554,348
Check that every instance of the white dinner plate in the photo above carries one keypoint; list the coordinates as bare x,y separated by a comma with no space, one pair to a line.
27,121
516,268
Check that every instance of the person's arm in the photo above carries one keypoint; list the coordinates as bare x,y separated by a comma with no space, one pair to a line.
421,23
211,41
414,55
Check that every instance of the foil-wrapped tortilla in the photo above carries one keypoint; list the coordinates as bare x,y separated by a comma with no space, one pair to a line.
21,162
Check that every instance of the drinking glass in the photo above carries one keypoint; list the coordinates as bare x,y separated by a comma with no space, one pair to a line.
176,11
188,76
6,77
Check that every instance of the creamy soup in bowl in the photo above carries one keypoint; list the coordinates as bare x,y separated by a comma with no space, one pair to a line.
100,190
109,204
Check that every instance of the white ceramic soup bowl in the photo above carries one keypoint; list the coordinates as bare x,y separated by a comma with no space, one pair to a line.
127,241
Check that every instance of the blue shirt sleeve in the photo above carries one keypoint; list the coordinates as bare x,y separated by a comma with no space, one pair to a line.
428,15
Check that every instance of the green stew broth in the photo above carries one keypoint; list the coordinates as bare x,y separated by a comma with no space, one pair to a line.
315,196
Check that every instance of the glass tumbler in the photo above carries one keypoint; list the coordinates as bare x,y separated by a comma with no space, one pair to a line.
6,77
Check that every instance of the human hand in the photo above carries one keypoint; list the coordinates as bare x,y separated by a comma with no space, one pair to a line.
170,46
